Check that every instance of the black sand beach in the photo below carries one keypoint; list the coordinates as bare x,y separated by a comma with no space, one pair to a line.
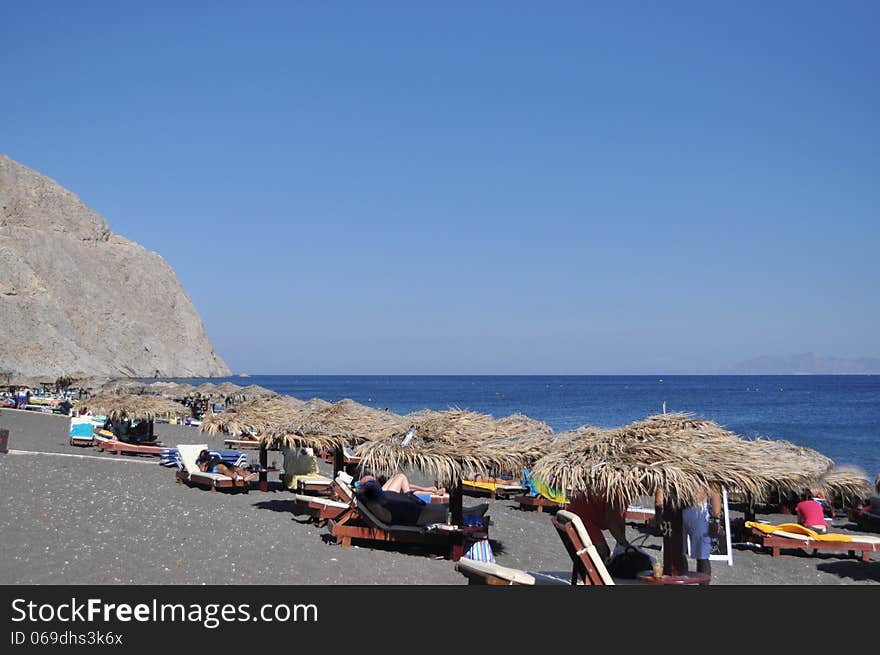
77,516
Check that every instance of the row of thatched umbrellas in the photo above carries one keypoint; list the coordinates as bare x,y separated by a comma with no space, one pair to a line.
678,454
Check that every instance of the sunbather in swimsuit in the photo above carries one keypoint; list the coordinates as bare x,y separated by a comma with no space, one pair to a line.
209,463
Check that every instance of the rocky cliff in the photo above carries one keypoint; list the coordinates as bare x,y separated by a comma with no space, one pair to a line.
77,299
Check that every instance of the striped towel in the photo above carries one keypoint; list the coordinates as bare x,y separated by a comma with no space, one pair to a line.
171,457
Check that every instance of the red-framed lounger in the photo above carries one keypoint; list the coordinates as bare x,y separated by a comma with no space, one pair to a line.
358,523
639,514
587,564
498,491
118,447
861,546
538,503
248,444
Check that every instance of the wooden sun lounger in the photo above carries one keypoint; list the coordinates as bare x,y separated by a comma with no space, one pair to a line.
861,546
639,514
320,508
486,573
358,522
118,447
191,475
538,503
496,491
587,564
247,444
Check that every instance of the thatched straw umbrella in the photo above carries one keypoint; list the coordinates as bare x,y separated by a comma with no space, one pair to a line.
253,416
518,424
333,426
844,485
133,407
682,456
258,417
447,446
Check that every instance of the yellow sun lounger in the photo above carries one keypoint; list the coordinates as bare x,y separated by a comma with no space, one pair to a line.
794,535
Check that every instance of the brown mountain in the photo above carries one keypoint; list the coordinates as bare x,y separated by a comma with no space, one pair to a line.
75,298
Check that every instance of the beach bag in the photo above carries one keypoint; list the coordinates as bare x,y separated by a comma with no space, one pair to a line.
481,551
629,562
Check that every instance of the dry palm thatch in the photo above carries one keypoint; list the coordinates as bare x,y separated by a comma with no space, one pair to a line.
518,424
844,485
253,417
447,446
681,455
131,407
331,426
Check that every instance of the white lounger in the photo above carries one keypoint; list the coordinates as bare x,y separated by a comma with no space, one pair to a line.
191,474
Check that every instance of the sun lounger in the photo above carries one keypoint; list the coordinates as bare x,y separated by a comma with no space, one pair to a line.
171,457
638,514
794,535
301,474
486,573
82,432
540,496
587,564
251,444
538,503
491,489
360,522
320,508
189,472
107,442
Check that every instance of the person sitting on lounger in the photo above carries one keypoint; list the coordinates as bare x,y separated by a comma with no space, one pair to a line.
210,463
401,484
811,514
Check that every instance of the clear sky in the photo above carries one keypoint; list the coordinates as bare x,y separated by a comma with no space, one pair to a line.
459,187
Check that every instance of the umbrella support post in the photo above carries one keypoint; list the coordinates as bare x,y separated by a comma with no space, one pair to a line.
672,529
264,466
338,462
456,496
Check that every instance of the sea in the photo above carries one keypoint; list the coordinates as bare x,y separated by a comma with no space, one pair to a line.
838,415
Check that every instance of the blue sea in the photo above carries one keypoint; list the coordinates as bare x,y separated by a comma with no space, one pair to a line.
838,415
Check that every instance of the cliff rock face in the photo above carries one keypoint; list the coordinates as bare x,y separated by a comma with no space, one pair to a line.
77,299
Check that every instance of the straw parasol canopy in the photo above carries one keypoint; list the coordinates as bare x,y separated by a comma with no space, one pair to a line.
132,407
331,426
517,424
848,484
681,455
253,416
447,446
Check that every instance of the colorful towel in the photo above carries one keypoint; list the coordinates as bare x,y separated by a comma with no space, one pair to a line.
797,530
537,487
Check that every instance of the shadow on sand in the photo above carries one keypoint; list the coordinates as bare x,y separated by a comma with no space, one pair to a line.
854,570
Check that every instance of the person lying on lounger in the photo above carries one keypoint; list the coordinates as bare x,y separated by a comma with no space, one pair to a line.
403,508
401,484
209,463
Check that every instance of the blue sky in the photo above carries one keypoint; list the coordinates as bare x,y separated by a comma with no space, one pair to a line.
475,187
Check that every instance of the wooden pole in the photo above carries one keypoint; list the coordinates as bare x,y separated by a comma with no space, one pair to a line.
264,468
672,529
456,509
338,461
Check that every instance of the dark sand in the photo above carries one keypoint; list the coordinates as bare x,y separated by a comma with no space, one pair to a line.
108,519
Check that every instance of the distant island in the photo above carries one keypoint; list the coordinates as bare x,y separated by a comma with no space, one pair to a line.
805,364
